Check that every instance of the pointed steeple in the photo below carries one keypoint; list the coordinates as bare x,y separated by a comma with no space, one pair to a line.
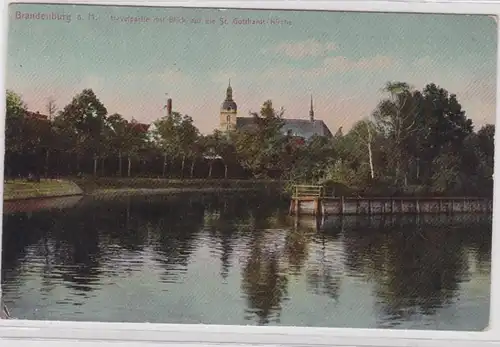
229,91
311,111
229,104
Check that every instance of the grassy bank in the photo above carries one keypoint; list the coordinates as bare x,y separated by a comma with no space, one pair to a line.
149,185
19,189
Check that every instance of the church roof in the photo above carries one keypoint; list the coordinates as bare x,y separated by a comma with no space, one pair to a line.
140,127
244,122
299,127
307,128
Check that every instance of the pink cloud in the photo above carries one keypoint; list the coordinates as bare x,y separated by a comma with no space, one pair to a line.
307,48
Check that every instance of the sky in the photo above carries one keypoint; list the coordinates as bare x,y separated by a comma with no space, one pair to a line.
342,59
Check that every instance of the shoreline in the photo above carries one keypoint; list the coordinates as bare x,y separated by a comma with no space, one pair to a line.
21,190
164,191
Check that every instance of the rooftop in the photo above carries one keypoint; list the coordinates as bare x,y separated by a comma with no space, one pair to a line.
298,127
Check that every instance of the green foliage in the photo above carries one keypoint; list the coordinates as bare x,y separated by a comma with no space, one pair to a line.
415,142
15,110
262,148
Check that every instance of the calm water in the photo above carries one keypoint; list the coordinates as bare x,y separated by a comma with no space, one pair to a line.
242,260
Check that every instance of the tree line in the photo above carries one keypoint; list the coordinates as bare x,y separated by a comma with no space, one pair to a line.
414,142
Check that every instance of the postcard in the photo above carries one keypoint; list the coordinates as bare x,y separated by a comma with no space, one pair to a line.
249,167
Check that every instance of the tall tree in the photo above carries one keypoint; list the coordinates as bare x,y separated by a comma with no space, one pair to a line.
136,139
395,117
166,136
87,115
366,132
15,112
187,136
117,128
261,146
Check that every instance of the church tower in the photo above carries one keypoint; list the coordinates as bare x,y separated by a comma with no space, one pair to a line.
228,111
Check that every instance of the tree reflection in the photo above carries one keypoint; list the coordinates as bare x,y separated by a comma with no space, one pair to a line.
297,242
414,263
325,271
416,269
264,277
175,232
264,283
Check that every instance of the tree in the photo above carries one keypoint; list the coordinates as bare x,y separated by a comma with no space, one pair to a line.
366,131
395,116
51,108
261,147
136,140
48,138
15,111
87,115
117,128
228,153
167,137
313,160
211,146
441,124
187,136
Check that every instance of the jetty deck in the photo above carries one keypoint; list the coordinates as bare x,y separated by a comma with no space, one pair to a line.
312,200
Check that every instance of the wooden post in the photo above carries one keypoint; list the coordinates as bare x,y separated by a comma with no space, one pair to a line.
369,206
417,206
297,206
452,202
392,206
341,205
316,206
464,208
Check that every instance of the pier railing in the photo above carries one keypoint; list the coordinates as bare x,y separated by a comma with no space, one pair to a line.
312,199
308,191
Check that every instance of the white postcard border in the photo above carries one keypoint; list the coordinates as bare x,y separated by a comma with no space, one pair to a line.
45,333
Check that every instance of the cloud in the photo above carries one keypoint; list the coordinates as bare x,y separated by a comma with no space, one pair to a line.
343,64
303,49
330,65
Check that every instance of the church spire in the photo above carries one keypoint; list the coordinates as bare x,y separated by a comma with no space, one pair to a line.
311,111
229,92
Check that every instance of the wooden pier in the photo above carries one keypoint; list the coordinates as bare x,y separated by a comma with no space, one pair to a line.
312,200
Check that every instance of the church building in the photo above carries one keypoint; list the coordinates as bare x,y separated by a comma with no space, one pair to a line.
303,128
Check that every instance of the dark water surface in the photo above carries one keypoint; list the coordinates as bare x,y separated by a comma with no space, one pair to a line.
243,260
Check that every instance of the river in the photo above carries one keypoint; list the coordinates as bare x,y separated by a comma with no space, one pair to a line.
242,260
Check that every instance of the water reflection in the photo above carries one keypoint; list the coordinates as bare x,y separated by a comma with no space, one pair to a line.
245,250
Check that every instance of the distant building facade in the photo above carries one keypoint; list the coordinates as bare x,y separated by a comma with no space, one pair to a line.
36,116
296,127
